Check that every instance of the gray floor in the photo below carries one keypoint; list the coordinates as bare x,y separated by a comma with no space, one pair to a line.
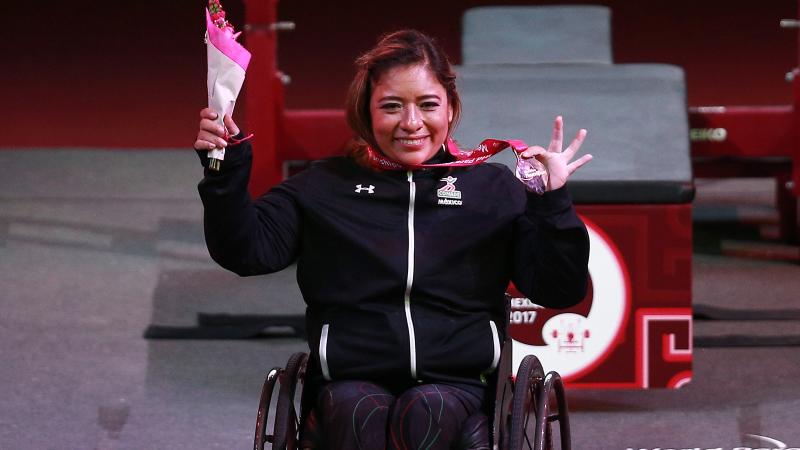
95,246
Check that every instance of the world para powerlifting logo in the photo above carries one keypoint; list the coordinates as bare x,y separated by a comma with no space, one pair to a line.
760,442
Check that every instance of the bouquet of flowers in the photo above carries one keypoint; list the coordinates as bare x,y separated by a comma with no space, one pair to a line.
227,64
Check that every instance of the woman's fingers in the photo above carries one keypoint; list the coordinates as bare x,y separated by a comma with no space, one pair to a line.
208,123
208,113
575,165
557,161
557,140
230,125
576,143
212,135
207,141
203,145
210,126
208,117
535,150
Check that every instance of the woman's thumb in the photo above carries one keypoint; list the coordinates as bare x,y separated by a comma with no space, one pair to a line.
231,125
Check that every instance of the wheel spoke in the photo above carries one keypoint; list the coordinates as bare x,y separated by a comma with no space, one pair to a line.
527,439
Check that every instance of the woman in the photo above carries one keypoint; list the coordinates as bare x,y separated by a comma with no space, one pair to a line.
404,285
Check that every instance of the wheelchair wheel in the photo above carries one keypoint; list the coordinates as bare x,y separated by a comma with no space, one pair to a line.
527,392
535,396
552,396
503,403
286,424
263,408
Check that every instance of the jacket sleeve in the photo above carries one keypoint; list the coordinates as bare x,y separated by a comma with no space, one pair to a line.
245,236
551,251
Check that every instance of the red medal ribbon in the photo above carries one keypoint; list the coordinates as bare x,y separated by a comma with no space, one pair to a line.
484,151
233,141
529,171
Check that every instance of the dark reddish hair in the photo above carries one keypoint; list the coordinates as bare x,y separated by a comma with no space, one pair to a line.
400,48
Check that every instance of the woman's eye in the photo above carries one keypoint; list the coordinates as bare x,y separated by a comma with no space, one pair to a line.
391,106
428,106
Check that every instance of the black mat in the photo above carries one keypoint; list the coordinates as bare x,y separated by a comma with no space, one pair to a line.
232,326
707,312
747,341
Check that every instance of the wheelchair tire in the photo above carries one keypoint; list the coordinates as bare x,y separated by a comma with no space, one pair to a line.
527,392
503,403
552,387
263,408
287,417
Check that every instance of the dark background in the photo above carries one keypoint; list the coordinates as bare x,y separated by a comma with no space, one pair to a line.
132,74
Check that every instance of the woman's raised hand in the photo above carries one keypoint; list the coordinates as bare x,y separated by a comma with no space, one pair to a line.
557,161
211,135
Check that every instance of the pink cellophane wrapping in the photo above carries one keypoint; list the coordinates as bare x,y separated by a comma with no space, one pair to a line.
227,64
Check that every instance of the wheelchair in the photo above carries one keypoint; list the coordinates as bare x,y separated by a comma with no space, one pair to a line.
522,413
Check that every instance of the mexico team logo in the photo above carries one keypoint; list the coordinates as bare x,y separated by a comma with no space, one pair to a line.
448,194
573,340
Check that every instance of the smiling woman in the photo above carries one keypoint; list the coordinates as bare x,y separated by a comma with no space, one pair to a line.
410,114
404,250
403,99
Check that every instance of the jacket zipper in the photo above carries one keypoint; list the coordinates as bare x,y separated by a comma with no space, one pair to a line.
495,346
412,341
323,353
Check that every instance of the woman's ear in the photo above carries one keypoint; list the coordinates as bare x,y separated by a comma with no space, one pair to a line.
449,113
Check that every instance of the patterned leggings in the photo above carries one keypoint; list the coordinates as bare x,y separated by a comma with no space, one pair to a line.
364,415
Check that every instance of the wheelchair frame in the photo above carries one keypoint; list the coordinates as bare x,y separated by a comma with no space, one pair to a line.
529,394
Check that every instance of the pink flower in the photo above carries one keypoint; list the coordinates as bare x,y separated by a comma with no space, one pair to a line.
218,17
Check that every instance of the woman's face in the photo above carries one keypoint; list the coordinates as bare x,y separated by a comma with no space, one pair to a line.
410,114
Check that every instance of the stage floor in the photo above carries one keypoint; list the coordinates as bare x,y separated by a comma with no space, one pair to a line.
95,246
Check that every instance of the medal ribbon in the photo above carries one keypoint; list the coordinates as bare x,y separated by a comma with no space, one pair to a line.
233,141
529,171
484,151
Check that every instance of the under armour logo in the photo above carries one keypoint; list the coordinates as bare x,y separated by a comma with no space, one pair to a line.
370,189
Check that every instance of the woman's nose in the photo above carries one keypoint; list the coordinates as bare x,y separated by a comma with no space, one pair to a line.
412,120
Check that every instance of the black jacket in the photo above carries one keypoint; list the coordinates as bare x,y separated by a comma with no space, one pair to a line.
402,279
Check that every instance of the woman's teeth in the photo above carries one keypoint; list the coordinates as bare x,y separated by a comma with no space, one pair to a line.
411,141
